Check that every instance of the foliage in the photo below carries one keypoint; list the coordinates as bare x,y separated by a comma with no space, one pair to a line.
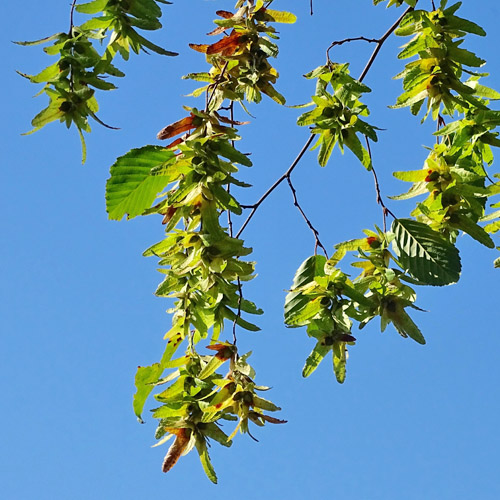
190,182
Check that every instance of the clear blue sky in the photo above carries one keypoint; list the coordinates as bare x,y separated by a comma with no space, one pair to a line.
77,312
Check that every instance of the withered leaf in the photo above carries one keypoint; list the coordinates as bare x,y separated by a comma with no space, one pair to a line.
177,447
199,47
176,128
273,420
217,31
225,14
227,45
169,214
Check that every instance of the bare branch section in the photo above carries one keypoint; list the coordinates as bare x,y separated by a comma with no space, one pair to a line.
378,195
286,176
308,222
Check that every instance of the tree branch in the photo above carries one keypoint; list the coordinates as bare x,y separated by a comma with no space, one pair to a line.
71,18
286,175
275,185
308,222
385,210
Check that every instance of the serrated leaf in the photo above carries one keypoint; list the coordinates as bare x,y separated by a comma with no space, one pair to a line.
308,270
425,254
315,358
131,189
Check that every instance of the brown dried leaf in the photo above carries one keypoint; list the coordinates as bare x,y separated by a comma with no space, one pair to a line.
227,45
199,47
178,141
177,447
217,31
168,215
273,420
225,14
224,119
176,128
224,351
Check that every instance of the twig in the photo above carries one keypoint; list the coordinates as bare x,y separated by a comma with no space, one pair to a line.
308,222
311,7
71,18
275,185
216,84
385,210
379,42
70,34
230,224
348,40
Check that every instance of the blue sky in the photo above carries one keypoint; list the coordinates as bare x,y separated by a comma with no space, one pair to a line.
78,314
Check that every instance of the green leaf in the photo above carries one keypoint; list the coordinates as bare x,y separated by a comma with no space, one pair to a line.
411,175
308,270
425,254
201,446
339,361
92,7
131,189
232,154
461,221
281,16
315,358
354,144
42,40
145,377
496,263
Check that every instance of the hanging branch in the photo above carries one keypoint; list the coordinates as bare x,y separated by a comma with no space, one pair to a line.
385,210
308,222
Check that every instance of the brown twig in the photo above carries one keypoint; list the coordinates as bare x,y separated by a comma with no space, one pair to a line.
308,222
71,18
381,42
215,85
230,227
348,40
380,201
275,185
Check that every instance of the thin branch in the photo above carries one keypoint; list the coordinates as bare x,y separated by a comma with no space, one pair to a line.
348,40
71,18
380,201
276,184
308,222
230,226
379,42
311,7
216,84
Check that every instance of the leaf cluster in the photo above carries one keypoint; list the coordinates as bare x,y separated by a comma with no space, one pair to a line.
436,76
336,117
327,301
240,60
71,82
197,401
